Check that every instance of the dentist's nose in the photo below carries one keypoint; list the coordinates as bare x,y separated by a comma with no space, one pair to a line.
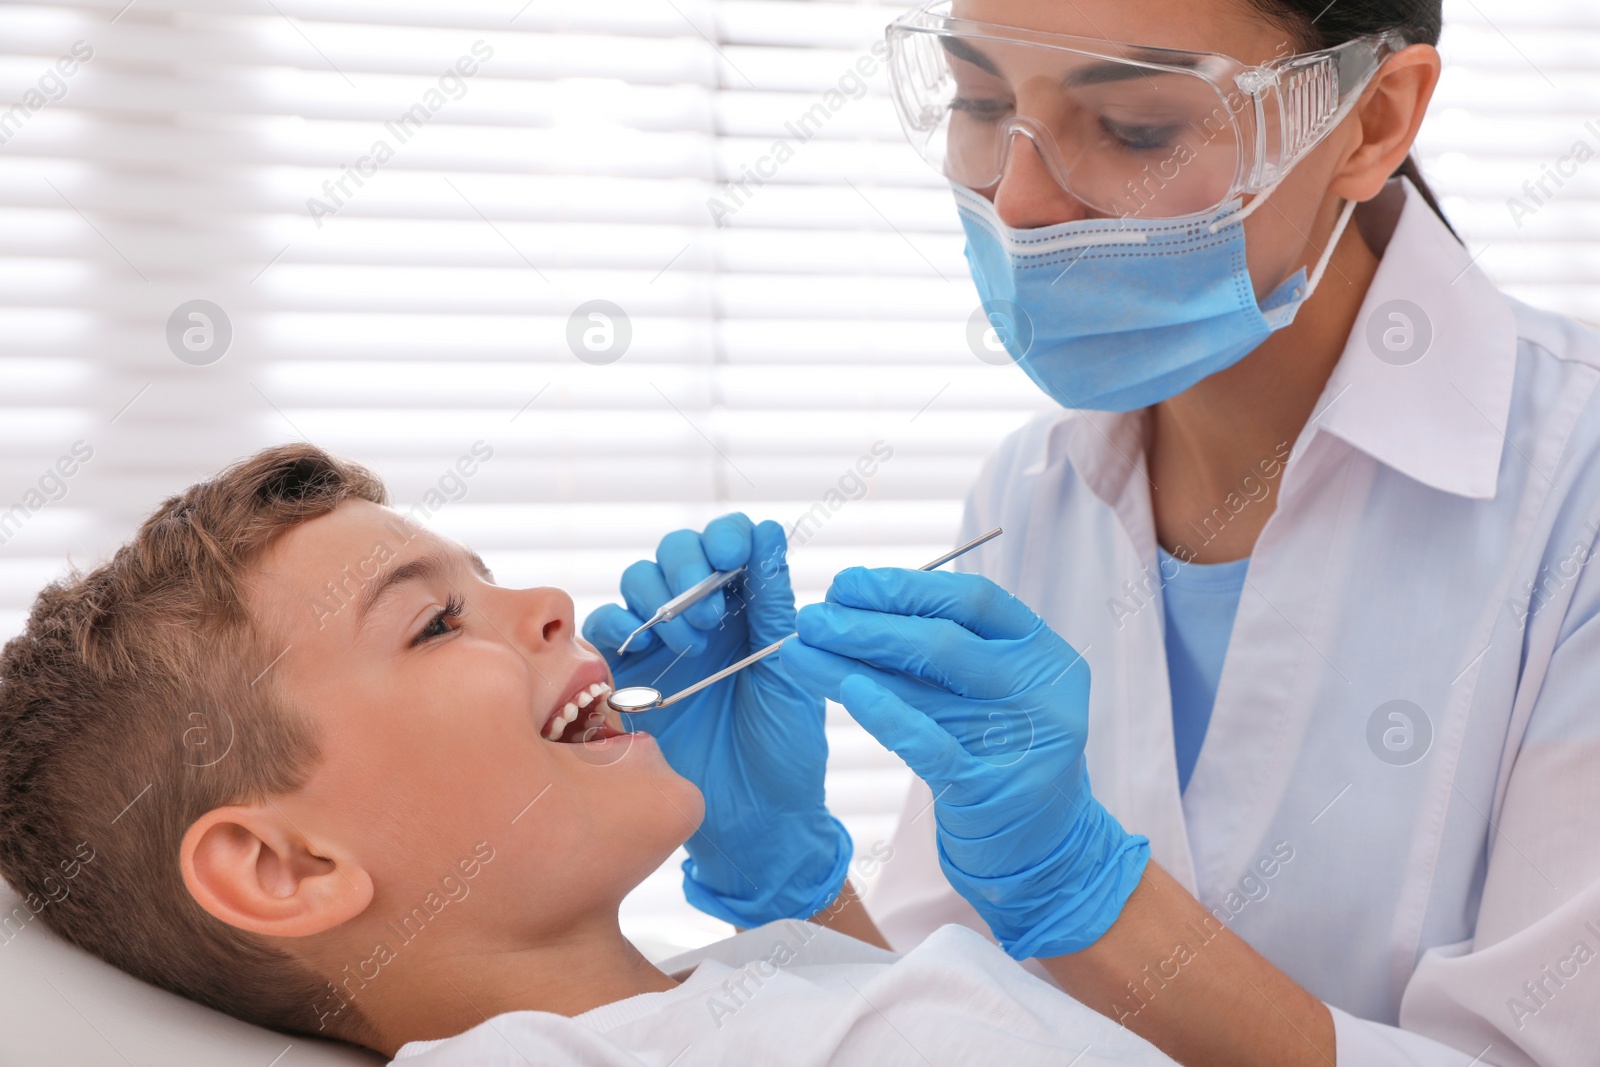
1027,195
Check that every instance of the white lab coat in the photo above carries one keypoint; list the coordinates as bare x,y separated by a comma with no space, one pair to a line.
1443,898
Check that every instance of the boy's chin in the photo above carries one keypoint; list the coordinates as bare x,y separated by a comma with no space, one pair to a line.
689,803
698,799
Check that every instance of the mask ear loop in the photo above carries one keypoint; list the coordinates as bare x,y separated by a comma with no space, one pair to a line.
1333,242
1327,253
1247,211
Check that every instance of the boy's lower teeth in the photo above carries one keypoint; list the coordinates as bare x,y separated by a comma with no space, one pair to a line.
588,726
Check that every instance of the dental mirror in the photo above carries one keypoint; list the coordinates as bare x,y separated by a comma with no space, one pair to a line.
637,698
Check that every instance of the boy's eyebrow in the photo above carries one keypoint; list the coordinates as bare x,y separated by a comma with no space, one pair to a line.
424,568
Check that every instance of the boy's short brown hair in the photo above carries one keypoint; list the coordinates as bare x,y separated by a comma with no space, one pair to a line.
137,699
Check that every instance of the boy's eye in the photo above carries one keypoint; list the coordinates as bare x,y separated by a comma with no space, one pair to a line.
440,624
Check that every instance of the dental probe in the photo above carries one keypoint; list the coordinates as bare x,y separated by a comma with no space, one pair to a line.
683,601
637,698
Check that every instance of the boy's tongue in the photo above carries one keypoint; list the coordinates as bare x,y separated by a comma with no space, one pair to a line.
592,724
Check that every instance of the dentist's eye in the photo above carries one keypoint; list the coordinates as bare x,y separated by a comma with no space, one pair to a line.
982,110
440,624
1140,138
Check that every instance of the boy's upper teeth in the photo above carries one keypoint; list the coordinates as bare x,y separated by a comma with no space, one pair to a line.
569,711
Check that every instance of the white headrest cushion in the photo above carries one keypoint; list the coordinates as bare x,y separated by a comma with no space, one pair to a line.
65,1006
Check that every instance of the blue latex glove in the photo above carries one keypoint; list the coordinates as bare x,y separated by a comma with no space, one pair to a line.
754,744
991,708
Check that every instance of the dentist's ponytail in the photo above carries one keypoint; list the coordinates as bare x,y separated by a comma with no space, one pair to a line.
1318,24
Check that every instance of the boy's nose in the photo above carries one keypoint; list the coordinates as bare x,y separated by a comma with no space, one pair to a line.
546,616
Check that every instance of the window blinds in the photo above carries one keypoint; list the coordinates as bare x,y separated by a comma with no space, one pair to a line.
661,259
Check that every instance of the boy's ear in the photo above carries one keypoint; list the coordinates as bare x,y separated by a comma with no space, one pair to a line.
248,866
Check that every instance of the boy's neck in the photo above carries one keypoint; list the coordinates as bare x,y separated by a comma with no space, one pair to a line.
449,990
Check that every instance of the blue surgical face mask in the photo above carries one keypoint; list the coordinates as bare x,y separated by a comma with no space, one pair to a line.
1119,314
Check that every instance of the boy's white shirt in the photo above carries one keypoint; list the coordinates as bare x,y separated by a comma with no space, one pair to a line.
794,993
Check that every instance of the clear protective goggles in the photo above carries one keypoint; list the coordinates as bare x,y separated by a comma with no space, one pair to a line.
1129,130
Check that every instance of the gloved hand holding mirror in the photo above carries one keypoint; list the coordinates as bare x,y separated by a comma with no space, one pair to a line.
768,848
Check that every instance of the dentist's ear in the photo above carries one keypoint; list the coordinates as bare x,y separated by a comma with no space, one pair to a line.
248,866
1389,116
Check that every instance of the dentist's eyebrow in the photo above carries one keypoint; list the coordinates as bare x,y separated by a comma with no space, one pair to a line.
1092,74
426,568
962,50
1101,73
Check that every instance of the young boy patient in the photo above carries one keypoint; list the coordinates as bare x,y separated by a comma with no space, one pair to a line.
338,782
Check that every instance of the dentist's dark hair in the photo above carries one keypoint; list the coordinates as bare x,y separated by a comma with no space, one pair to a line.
1318,24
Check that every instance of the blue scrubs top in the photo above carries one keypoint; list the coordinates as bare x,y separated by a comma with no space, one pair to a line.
1200,601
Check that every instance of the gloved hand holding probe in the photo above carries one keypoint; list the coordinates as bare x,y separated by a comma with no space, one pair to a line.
989,707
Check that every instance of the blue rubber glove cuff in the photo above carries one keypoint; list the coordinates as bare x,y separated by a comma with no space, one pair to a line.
799,895
1051,909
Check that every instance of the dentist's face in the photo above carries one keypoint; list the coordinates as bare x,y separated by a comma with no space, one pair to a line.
1028,197
434,692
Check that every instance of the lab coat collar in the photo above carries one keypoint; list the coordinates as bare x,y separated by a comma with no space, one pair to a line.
1440,419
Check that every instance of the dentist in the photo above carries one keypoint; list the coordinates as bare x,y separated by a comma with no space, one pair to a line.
1317,511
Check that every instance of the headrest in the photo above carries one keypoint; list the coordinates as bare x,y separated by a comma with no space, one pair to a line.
65,1006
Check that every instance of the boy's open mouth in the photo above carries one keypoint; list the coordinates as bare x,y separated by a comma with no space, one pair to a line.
581,717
